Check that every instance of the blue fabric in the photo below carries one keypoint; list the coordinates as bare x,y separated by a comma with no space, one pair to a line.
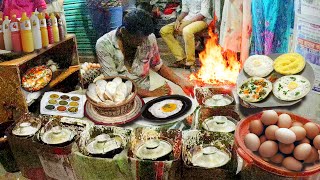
104,21
272,21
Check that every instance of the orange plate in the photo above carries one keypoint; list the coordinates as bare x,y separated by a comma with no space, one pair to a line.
32,75
253,159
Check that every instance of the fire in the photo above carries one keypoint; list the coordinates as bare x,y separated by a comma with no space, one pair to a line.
217,67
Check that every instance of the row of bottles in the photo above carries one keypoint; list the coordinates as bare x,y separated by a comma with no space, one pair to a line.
31,34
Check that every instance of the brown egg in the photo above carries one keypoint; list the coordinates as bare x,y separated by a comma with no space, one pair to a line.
302,151
312,130
296,123
313,156
269,117
286,148
285,136
299,131
268,149
278,158
256,127
292,164
252,142
271,131
263,139
284,121
316,142
305,140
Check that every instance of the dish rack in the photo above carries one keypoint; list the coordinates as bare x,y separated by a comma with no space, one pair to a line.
13,102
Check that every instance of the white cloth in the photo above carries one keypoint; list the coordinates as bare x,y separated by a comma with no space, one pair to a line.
196,7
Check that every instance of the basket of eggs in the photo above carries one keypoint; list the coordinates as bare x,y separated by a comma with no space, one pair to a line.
280,143
112,96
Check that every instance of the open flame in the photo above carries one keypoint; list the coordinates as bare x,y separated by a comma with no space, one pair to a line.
218,67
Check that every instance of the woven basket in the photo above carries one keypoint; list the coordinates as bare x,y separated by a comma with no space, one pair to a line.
119,109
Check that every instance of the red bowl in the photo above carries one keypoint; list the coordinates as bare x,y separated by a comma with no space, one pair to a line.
252,159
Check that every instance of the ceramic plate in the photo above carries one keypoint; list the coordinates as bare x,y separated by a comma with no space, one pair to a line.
186,106
271,100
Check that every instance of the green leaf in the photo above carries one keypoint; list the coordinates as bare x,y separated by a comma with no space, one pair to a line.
297,93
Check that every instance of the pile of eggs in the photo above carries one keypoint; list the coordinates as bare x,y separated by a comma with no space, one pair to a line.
283,141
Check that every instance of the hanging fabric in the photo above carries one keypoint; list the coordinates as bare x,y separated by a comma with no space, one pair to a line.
272,21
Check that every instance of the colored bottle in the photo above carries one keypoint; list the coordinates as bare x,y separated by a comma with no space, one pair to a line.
7,34
49,28
36,33
44,30
1,35
26,34
60,27
15,34
55,29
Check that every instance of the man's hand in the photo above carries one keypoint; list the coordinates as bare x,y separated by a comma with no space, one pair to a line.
177,25
187,88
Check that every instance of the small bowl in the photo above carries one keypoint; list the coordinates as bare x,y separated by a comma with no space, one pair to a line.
57,136
52,101
61,108
219,124
74,104
63,103
54,96
104,146
73,110
50,107
75,98
154,149
208,156
64,97
218,100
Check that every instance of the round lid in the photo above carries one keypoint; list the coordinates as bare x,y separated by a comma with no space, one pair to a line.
210,157
57,135
153,149
26,129
218,100
218,124
103,144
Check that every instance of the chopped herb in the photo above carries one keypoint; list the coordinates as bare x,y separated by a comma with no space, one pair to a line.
280,87
293,78
303,81
297,93
285,92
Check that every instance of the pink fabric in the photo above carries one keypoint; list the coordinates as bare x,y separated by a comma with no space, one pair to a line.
17,7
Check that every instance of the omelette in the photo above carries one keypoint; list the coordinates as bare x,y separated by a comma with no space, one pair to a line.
254,89
290,63
290,88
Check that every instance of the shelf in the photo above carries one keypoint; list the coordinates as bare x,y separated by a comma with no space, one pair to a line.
28,57
63,75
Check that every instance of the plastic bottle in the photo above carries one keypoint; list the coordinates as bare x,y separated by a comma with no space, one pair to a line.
60,27
15,34
55,29
26,34
1,35
36,33
44,31
7,34
49,28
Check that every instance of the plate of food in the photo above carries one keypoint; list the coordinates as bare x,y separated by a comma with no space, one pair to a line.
166,108
36,78
275,80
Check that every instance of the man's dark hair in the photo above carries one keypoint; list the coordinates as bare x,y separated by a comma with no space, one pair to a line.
138,22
